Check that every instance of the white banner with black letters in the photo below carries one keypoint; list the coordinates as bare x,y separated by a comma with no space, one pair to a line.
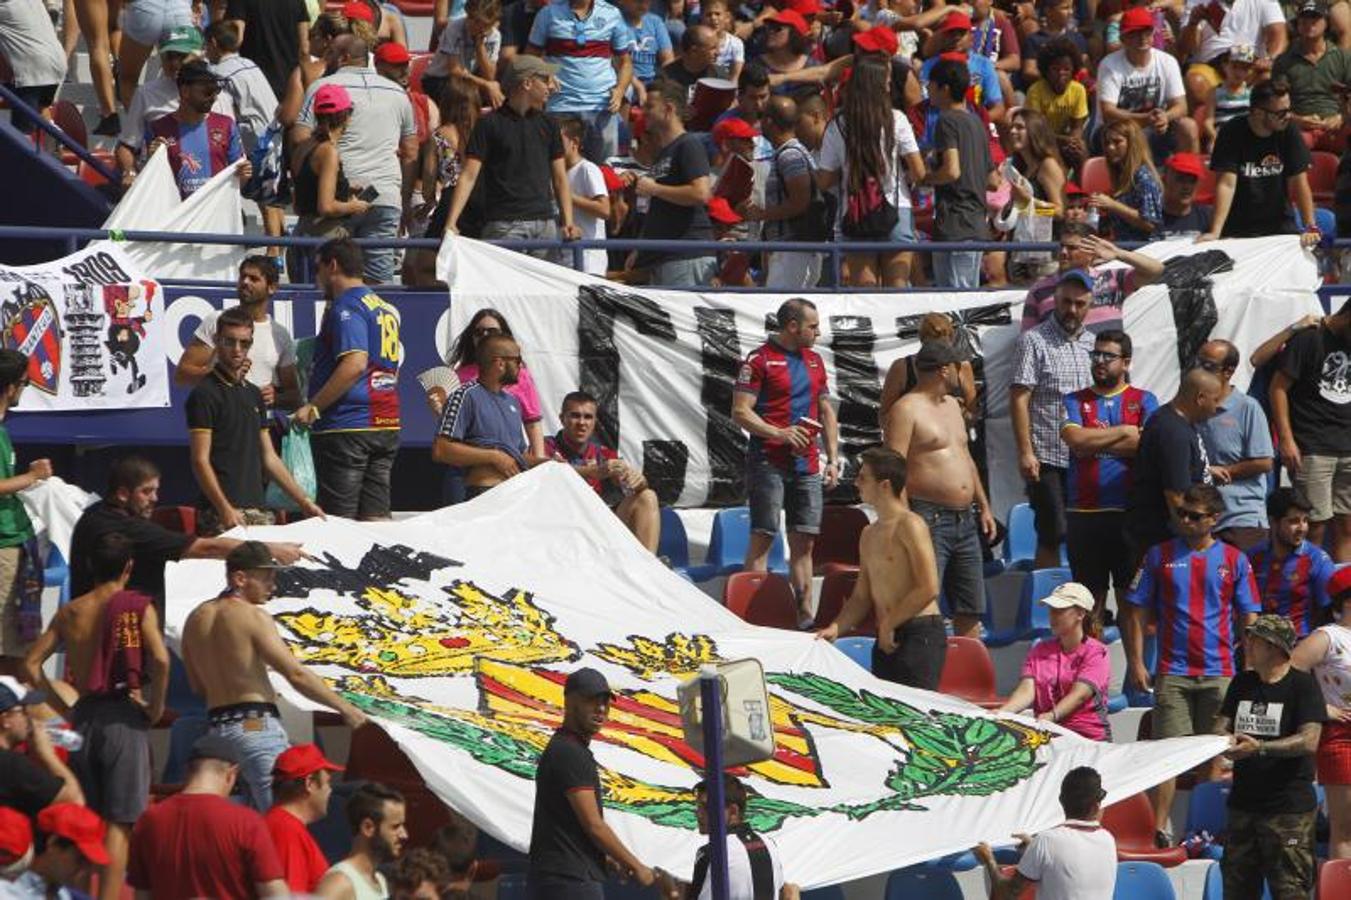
662,362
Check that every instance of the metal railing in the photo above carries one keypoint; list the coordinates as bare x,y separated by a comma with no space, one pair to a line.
64,139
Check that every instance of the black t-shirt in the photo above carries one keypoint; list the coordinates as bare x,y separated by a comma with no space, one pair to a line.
1263,164
959,206
679,163
675,71
234,414
558,845
1171,457
24,785
154,546
1273,784
1319,364
517,19
271,36
517,153
1195,221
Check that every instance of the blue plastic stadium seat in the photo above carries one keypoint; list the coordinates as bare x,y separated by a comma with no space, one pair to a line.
1116,703
181,698
1208,810
184,731
859,649
1142,881
916,881
1040,584
727,546
57,574
1020,544
673,543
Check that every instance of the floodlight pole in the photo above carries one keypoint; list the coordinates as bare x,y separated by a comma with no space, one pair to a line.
710,689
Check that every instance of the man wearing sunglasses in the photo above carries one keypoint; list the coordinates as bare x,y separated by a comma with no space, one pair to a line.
1238,445
200,142
1201,593
1260,159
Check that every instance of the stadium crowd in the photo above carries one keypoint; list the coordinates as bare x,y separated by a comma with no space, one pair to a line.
712,121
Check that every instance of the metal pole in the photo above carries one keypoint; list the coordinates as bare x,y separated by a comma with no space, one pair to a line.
710,691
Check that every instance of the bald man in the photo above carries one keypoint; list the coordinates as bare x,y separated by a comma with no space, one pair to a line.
1172,457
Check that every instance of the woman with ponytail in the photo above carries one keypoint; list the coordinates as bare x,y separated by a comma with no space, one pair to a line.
1065,676
324,201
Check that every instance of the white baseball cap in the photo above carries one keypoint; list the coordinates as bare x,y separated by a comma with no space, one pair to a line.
1071,593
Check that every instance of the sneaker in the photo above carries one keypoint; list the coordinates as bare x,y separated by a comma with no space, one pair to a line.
109,126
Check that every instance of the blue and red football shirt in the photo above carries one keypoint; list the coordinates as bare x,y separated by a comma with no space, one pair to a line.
592,454
1195,597
1103,481
1295,587
788,386
359,321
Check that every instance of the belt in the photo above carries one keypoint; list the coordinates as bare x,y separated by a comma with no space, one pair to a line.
237,712
928,506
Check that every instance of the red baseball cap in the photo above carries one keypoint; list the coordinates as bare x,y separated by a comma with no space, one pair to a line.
1072,189
358,10
878,39
1339,585
958,21
1186,164
804,8
16,835
301,761
392,53
1137,18
732,128
78,824
613,183
720,211
793,19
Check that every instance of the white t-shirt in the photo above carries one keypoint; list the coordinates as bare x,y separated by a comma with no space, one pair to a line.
1243,25
272,347
1074,861
255,103
157,98
28,40
585,180
730,52
834,159
456,43
740,885
1138,90
1333,671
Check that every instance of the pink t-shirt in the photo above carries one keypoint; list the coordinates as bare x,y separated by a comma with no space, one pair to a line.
1054,672
523,390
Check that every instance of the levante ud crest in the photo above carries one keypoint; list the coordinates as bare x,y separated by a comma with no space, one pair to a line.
32,326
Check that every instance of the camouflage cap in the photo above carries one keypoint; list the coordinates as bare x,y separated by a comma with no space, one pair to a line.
1275,630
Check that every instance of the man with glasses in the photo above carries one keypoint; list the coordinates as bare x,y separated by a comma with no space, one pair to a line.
1259,158
200,142
1238,444
34,777
1102,430
1201,593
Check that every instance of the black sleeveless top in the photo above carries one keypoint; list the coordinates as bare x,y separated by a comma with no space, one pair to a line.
306,185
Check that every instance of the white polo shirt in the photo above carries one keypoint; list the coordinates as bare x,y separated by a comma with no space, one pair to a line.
1074,861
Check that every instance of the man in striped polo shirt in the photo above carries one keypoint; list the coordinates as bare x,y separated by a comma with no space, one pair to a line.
1292,574
1202,593
1102,430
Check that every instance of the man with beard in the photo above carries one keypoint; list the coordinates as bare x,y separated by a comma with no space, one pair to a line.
927,427
481,429
1102,430
200,141
1292,573
570,842
376,815
271,363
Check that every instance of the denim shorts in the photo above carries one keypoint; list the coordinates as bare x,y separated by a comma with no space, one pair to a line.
905,225
353,470
771,489
260,739
961,567
146,21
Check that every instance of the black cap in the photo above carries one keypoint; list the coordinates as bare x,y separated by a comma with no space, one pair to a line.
213,746
934,355
588,683
1312,8
196,70
251,555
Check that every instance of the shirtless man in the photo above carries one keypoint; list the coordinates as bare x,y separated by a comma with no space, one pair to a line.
481,428
897,578
117,663
229,643
926,426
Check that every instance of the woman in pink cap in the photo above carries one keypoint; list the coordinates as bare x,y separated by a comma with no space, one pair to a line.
324,200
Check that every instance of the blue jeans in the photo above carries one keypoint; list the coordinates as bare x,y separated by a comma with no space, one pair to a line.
961,567
260,740
770,489
376,222
524,230
601,140
697,272
957,268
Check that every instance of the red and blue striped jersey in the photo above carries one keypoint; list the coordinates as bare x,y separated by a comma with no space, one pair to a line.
1103,481
583,49
358,320
1195,597
1295,587
788,386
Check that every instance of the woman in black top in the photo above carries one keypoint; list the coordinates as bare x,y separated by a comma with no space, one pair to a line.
324,200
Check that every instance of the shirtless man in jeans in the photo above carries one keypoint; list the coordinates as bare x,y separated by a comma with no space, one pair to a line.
229,643
897,578
926,426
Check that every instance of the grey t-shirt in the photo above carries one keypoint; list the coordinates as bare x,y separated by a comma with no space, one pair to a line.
959,206
381,117
28,40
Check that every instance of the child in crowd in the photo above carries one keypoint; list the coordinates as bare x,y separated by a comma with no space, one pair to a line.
1232,95
651,48
731,51
470,46
590,197
1061,99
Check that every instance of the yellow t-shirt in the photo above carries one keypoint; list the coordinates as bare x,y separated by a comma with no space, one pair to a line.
1062,110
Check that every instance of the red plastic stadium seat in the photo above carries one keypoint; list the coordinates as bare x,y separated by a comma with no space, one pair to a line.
835,589
1205,187
416,68
1334,878
91,176
761,598
1131,822
837,544
968,673
176,518
1323,177
1096,178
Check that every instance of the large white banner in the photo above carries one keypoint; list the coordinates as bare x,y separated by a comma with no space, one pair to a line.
91,325
456,630
662,362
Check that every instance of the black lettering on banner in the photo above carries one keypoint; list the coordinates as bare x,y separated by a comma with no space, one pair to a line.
857,392
97,268
665,463
598,370
720,355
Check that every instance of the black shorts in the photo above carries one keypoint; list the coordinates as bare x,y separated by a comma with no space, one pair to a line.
917,662
1047,498
37,96
353,470
1100,552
